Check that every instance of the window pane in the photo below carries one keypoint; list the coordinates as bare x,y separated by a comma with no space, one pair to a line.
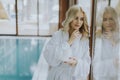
106,58
116,4
86,6
7,17
27,17
101,4
48,16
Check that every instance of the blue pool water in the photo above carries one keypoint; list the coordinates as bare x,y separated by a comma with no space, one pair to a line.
17,57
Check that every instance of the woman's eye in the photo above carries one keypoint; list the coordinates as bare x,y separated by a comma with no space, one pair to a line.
82,19
104,19
76,18
110,18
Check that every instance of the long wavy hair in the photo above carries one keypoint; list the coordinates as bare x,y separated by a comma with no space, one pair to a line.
70,16
112,11
115,32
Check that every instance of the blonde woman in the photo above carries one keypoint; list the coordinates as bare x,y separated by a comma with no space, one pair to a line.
106,57
67,53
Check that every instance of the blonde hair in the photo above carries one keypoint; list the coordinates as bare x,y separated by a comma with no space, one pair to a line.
115,31
70,15
112,11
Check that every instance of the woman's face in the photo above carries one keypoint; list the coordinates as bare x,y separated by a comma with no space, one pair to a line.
108,22
77,21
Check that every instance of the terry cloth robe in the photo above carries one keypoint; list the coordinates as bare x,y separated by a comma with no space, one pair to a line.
105,59
58,50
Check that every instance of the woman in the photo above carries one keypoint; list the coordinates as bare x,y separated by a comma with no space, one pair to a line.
106,57
67,53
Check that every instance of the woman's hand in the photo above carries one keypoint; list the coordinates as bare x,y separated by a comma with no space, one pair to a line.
72,61
73,36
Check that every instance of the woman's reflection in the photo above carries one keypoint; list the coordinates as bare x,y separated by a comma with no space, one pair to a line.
105,61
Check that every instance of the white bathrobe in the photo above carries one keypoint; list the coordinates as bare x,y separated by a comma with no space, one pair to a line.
58,50
106,56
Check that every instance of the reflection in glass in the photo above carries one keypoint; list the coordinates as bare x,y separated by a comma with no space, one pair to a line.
101,4
7,17
106,56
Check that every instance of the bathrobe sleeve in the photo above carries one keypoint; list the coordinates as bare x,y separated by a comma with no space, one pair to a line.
57,50
102,67
105,68
83,66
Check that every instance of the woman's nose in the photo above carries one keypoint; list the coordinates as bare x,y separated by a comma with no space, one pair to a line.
78,21
108,22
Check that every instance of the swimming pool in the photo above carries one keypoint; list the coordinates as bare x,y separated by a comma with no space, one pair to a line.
17,56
